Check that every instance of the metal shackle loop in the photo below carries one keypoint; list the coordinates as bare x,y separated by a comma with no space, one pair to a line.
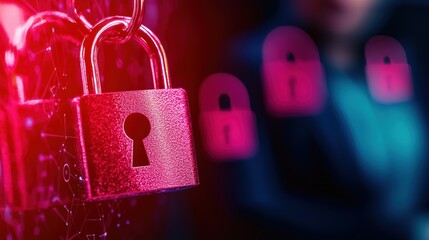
136,19
59,23
80,18
103,29
66,27
125,33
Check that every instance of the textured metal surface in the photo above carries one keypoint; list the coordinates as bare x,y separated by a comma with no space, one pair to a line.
107,151
31,161
229,135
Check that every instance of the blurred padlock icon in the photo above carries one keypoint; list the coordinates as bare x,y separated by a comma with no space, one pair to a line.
133,142
292,73
227,122
388,73
36,165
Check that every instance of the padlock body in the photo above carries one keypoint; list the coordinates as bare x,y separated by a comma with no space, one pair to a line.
35,150
107,151
229,135
294,88
390,83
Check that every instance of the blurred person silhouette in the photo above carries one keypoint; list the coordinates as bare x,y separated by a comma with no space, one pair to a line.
355,170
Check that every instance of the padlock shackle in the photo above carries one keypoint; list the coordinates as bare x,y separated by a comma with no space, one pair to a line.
139,9
58,22
285,40
381,46
145,37
218,84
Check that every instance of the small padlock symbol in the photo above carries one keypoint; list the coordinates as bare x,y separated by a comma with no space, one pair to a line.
227,123
387,70
133,142
292,73
36,153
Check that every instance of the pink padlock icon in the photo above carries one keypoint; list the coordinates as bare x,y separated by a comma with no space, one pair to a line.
387,70
228,125
292,73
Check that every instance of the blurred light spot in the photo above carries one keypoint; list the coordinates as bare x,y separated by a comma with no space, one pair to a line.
29,123
10,58
11,17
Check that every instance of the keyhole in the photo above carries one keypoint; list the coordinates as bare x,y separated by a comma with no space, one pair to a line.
386,60
137,127
224,102
290,57
292,87
226,133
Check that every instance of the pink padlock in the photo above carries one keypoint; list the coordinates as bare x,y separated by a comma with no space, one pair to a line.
387,70
134,142
227,122
292,73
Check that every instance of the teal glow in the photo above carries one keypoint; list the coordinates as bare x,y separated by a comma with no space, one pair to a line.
388,142
361,120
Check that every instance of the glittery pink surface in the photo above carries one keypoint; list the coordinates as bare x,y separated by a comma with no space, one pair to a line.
107,151
229,135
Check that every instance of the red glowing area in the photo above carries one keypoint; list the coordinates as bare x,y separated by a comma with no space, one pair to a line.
226,120
292,73
19,87
27,158
11,17
9,58
37,129
388,72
